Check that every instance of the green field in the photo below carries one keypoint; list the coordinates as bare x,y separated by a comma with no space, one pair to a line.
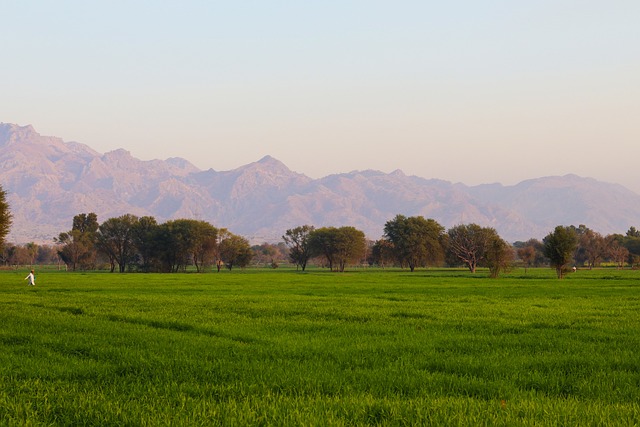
370,347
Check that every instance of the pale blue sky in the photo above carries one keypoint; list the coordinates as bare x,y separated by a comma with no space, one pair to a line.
467,91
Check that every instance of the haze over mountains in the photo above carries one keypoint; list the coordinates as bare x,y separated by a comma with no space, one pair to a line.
48,181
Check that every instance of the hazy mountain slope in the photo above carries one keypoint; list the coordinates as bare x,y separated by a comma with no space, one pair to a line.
49,181
569,199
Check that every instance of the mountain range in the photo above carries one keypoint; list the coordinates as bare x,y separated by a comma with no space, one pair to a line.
48,181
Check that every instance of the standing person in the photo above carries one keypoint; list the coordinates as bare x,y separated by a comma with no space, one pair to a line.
31,278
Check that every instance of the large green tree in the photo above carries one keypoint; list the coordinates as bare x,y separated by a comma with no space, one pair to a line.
351,246
174,244
592,247
476,246
235,250
323,243
416,241
469,243
114,238
297,239
559,247
78,246
5,217
339,246
143,233
204,246
632,243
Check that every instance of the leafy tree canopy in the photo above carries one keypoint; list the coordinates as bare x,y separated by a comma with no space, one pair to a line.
297,239
559,247
416,241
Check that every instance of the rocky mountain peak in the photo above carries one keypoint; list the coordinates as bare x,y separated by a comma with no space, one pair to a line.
11,133
182,164
268,163
48,181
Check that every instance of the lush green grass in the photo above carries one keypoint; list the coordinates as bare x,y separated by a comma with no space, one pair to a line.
318,348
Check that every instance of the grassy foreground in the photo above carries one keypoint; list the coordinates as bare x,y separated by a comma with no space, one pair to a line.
318,348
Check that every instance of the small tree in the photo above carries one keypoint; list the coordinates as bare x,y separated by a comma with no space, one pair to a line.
235,251
616,252
382,253
269,254
47,254
32,252
528,255
204,244
499,256
17,255
559,247
593,246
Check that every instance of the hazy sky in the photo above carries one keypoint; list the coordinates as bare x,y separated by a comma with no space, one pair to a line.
468,91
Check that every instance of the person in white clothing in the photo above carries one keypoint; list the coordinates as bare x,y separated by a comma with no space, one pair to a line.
31,278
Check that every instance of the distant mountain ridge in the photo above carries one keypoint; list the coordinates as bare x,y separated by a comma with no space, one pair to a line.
49,181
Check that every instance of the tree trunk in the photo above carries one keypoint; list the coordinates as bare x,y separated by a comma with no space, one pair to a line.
472,266
559,272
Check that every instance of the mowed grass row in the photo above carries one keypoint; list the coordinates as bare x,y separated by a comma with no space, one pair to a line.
371,347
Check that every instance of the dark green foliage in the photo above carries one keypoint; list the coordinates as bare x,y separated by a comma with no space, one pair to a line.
184,242
530,252
322,242
115,239
339,246
85,223
470,243
499,256
631,241
297,239
416,241
235,250
476,246
78,246
559,247
143,234
382,253
132,242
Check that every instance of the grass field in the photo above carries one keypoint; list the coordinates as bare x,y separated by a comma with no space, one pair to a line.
372,347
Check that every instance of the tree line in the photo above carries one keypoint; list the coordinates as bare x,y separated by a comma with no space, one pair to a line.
411,242
131,243
408,242
142,244
580,246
